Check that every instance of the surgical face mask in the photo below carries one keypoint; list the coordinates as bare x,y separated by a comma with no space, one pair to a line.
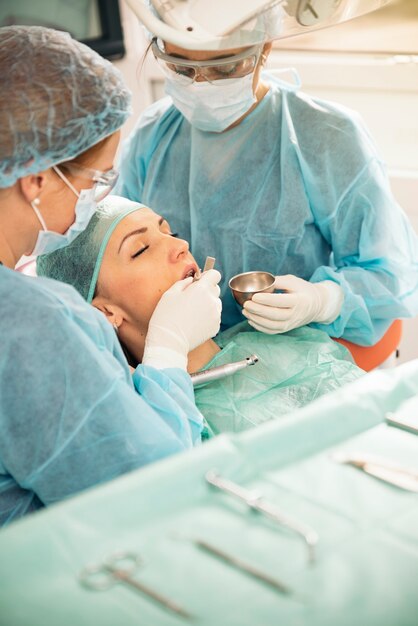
212,107
48,240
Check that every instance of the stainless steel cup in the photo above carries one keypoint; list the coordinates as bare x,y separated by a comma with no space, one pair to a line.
244,286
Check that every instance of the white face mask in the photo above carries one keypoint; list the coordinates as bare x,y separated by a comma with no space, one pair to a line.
210,107
48,240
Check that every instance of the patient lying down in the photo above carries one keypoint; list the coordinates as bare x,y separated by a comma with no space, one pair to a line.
128,257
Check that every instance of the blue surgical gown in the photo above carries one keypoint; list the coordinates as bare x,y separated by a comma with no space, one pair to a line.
296,188
71,413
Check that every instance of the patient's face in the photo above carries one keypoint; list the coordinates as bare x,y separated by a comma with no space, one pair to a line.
142,260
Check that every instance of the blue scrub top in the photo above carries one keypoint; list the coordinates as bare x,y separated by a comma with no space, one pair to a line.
296,188
71,413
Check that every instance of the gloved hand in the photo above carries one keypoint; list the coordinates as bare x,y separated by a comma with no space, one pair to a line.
188,314
302,303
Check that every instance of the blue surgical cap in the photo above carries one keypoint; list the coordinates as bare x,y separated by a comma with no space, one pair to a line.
57,99
79,263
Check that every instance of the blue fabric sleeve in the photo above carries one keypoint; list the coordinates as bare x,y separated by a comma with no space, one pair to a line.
376,259
70,415
374,248
179,409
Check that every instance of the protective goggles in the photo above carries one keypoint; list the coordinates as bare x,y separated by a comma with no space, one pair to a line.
213,70
103,181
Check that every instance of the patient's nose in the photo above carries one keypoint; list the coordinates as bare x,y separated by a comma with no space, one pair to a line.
178,249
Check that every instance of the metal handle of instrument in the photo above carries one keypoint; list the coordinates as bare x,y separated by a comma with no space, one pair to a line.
398,421
214,373
257,503
244,566
382,468
209,265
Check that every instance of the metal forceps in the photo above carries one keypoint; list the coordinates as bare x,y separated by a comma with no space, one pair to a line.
120,568
256,503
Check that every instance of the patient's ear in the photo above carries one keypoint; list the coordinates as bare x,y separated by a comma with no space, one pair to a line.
113,312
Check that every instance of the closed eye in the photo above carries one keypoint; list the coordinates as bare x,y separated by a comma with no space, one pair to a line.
139,252
136,254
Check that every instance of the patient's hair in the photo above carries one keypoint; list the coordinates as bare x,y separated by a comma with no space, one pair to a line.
79,263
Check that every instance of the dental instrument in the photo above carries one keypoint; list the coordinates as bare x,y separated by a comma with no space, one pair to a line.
257,503
209,265
378,467
404,423
247,568
215,373
119,568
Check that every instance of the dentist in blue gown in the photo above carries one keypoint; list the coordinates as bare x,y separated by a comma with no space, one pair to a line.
251,170
72,414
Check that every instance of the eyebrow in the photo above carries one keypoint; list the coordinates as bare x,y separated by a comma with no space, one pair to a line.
138,231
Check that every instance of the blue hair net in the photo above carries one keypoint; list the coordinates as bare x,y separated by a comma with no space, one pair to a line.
79,263
57,99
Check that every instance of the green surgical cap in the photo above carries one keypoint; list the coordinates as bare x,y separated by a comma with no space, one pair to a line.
57,99
79,263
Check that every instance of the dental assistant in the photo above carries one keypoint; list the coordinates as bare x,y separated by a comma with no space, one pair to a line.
251,170
71,413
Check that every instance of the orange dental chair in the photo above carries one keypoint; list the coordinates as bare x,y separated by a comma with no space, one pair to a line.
369,357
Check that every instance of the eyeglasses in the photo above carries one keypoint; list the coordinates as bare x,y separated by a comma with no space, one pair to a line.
103,181
213,70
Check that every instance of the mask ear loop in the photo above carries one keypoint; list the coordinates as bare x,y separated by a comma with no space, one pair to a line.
35,204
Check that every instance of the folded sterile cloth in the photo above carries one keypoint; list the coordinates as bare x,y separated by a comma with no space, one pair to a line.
293,369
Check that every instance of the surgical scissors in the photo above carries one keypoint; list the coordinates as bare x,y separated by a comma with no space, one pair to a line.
120,568
257,503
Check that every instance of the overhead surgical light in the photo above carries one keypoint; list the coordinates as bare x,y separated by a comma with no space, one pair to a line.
223,24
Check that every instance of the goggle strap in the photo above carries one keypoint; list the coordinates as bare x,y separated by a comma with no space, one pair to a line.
66,181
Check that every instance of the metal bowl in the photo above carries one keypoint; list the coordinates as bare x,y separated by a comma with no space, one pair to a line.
244,286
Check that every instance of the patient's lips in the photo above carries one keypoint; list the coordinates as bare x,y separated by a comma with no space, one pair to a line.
190,270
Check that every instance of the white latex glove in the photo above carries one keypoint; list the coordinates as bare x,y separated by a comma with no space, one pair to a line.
302,303
187,315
